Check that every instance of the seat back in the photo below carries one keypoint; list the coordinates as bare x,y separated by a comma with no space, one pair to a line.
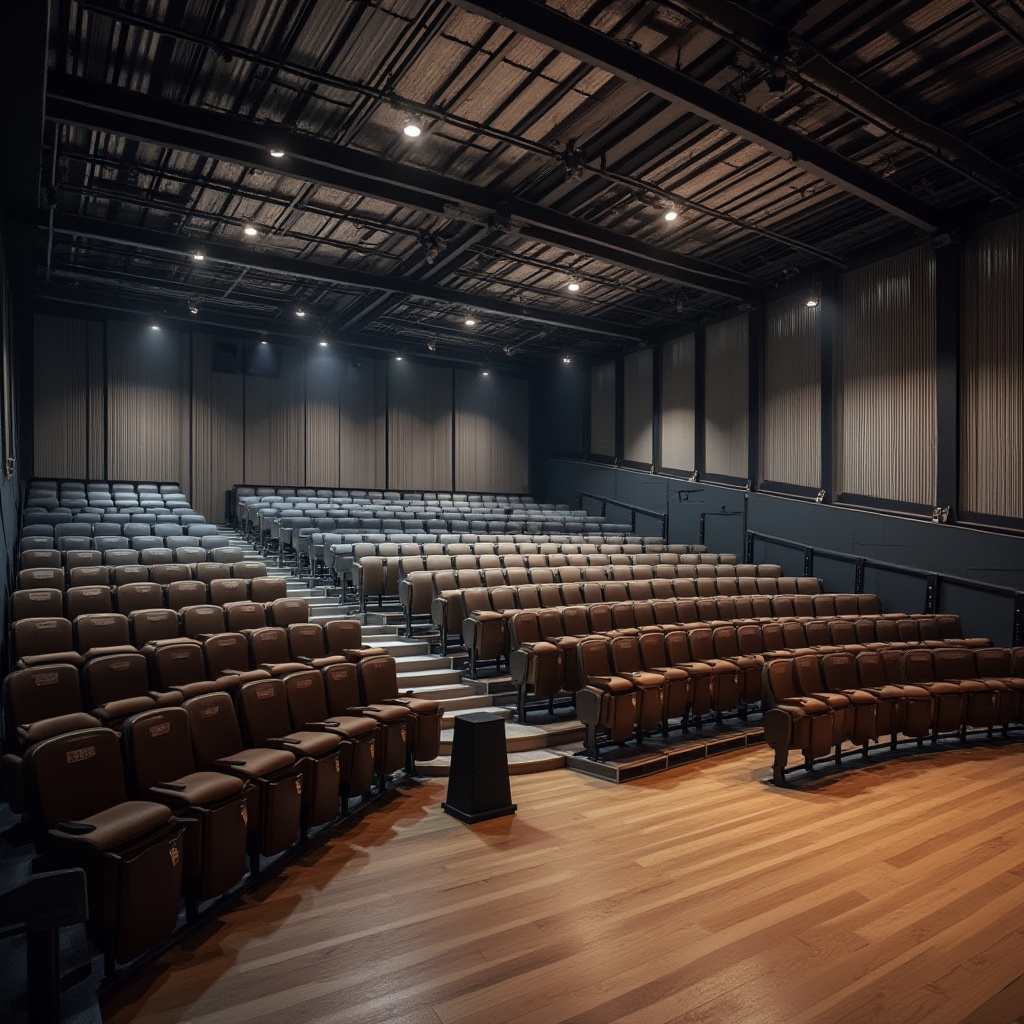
199,619
148,624
269,646
175,664
43,691
263,711
341,687
225,654
213,727
378,679
158,747
113,677
102,629
306,640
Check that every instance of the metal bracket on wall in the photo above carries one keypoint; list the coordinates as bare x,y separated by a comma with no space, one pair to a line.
1018,619
808,561
931,595
748,555
858,578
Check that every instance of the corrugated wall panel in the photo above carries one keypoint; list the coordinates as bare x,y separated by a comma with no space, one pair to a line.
491,433
886,423
364,403
725,398
323,418
148,390
678,388
97,401
638,407
275,424
791,420
992,370
60,399
217,431
602,409
419,426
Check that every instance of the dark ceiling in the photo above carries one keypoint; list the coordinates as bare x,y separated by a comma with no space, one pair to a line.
789,137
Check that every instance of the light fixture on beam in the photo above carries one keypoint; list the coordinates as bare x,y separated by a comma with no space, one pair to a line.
193,306
300,312
154,326
277,152
567,358
671,213
432,345
323,343
470,320
250,231
199,255
573,285
413,128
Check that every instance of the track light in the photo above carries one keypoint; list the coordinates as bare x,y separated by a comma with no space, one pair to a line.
250,231
572,159
300,312
470,321
398,359
193,306
154,326
508,350
432,345
199,256
813,301
776,78
573,285
567,358
671,214
485,373
277,152
412,128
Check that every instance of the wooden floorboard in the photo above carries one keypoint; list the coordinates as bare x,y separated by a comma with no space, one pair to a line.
891,893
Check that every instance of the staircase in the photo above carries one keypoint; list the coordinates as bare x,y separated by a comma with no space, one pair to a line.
539,746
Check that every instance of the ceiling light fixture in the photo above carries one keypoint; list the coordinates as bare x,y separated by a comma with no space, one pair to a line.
470,322
198,256
671,214
813,301
412,128
193,306
398,359
432,345
485,373
567,358
277,152
323,343
300,312
573,285
154,326
250,231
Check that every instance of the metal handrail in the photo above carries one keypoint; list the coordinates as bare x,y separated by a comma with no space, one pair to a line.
933,579
632,509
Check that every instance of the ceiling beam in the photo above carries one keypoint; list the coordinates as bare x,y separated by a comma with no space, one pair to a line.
567,35
803,63
307,270
122,112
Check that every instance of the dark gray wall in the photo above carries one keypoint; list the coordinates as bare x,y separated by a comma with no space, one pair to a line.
729,513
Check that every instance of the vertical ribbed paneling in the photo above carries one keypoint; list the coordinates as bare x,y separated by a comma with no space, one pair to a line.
97,401
602,409
992,370
148,385
364,424
419,426
638,407
491,433
725,398
791,421
323,418
217,431
677,404
60,399
886,427
275,423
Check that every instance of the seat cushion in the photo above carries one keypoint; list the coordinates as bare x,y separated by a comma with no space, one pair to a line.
200,789
610,684
309,743
113,827
256,762
385,712
351,726
417,705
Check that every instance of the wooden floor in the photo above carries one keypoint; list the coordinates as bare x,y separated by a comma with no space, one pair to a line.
893,893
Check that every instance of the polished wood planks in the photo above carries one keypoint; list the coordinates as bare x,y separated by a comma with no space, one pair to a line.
890,893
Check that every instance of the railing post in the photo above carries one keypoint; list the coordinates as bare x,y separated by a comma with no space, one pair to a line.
749,553
632,521
858,578
808,561
700,536
931,594
1018,620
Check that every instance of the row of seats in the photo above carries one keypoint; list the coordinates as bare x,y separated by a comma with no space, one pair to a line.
150,526
113,557
472,603
175,806
817,701
102,574
40,639
547,661
128,597
138,542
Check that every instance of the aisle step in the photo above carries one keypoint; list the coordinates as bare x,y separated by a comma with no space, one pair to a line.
526,762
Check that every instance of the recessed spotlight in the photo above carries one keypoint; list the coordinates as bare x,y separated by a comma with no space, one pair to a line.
300,312
566,359
470,322
412,128
198,255
250,231
154,326
485,373
323,343
670,215
263,341
398,359
573,286
277,152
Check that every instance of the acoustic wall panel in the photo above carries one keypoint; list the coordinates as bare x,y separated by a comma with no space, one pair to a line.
419,427
791,419
275,422
886,423
602,409
678,389
992,370
492,438
725,398
638,407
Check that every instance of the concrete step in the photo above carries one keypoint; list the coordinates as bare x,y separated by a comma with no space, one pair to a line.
397,647
526,762
433,679
450,714
528,737
453,705
420,663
